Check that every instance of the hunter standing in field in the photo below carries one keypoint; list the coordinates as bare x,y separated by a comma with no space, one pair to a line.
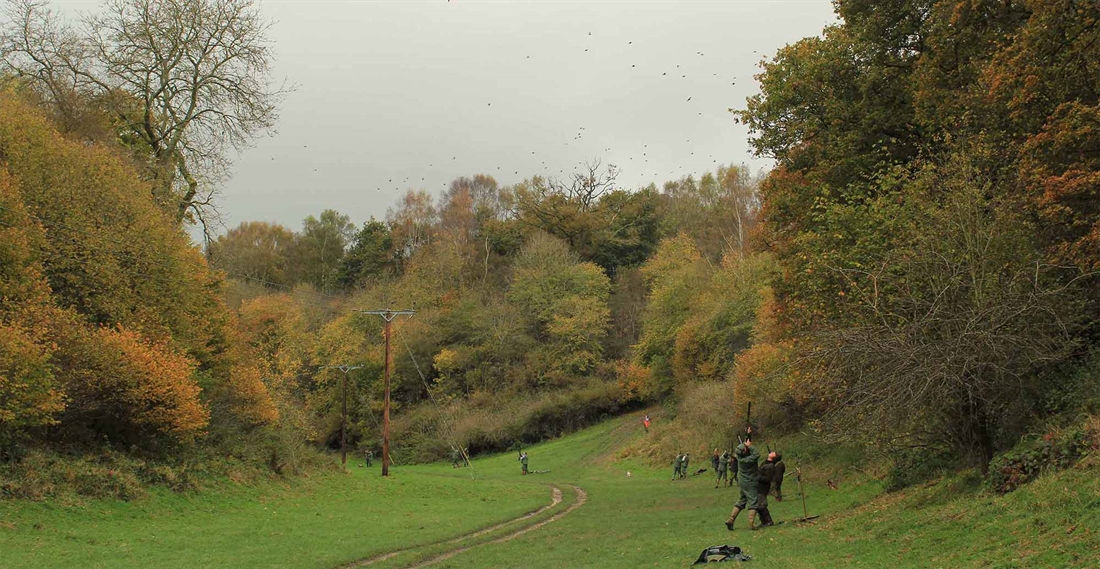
731,468
777,479
456,457
714,461
723,466
368,458
676,466
763,488
747,479
684,466
523,462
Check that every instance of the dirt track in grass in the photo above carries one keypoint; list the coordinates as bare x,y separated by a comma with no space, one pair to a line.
582,497
555,499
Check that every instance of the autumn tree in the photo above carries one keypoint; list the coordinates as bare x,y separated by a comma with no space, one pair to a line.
718,211
600,222
255,251
412,222
952,327
567,303
927,151
30,394
318,251
184,82
673,276
130,390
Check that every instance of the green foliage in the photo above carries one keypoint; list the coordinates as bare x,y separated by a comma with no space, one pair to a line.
698,317
369,256
567,301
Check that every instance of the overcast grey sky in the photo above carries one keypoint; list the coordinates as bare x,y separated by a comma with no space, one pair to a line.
412,94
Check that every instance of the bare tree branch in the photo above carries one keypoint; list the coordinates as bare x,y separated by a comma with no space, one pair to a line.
187,81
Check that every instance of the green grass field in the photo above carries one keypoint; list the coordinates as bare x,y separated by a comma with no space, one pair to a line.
641,520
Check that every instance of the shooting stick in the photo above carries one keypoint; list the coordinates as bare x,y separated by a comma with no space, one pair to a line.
805,513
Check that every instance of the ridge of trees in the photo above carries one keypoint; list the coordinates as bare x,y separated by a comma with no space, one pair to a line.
116,331
917,272
934,217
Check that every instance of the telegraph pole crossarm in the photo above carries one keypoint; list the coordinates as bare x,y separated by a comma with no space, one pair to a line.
344,417
387,314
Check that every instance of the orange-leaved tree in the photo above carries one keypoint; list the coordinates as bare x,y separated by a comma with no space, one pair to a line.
130,389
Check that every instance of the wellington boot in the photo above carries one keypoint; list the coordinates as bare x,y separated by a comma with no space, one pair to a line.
752,518
766,518
732,518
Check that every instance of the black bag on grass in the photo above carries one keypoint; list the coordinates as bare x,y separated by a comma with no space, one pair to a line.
727,553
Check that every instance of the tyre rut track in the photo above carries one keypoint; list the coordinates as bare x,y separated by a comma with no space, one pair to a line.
556,498
582,497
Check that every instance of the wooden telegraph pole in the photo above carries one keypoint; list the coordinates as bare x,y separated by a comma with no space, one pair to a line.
344,420
387,314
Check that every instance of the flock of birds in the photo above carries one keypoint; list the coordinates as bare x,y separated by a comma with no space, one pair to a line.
637,161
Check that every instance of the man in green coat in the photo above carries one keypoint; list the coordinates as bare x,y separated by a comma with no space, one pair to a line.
723,465
676,466
747,480
684,466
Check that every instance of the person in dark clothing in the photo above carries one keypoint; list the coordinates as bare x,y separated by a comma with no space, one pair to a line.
731,466
777,478
684,466
714,461
676,466
523,462
368,457
763,487
747,480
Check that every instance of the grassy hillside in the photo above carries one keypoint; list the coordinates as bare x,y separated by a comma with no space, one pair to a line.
638,520
323,521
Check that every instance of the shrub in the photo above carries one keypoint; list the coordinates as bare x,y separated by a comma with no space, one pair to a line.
47,474
911,466
131,390
1023,464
